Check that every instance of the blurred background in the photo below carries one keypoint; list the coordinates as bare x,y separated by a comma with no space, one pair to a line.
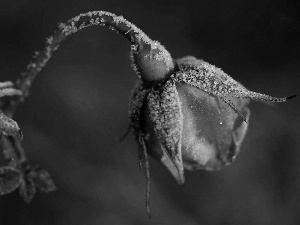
77,111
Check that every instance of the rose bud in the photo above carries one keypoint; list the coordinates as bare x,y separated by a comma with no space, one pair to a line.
186,113
195,119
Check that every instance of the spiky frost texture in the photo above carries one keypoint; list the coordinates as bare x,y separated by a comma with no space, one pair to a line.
213,80
166,116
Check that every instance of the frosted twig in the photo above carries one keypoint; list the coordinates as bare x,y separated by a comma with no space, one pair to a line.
102,18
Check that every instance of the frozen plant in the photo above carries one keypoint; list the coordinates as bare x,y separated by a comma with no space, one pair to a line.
184,112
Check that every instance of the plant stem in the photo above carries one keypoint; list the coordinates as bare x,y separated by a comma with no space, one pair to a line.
102,18
150,60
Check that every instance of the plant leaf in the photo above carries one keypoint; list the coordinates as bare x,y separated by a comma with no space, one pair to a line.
42,179
9,180
27,189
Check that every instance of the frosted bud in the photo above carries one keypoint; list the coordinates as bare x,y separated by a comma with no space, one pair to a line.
205,134
152,62
197,118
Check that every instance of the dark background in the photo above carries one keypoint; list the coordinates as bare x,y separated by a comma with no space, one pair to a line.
77,111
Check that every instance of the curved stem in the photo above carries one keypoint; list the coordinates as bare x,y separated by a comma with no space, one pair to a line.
102,18
149,58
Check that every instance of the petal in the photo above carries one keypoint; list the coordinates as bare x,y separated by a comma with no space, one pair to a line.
166,117
209,131
238,136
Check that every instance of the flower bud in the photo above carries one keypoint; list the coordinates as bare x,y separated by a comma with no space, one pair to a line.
211,132
194,119
152,62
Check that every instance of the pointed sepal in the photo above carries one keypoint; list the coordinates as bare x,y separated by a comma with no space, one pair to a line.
137,100
166,116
